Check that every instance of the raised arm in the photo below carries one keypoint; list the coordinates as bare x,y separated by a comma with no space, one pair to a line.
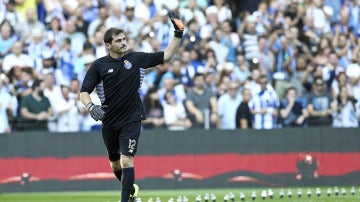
173,46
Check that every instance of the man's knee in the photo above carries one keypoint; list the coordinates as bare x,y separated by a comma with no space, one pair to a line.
115,165
127,161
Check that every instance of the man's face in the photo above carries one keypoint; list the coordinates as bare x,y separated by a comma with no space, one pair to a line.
199,82
119,44
246,95
319,85
263,82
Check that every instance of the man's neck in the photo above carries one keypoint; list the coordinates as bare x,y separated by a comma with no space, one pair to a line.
36,96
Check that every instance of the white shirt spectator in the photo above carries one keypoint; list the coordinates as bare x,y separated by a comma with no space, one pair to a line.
117,18
226,106
67,113
5,103
224,12
321,21
22,60
191,11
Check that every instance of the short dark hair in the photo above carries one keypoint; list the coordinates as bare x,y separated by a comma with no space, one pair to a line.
36,84
108,36
198,75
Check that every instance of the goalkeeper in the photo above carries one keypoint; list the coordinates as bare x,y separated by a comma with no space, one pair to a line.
116,78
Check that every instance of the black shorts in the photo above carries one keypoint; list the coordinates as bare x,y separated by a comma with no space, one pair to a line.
121,140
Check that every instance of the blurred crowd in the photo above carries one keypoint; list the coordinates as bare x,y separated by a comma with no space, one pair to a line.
260,64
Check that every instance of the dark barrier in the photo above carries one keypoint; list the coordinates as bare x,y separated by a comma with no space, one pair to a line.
186,159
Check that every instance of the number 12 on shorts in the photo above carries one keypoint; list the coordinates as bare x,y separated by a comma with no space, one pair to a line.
131,146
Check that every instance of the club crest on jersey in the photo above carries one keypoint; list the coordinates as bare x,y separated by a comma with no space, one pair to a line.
127,64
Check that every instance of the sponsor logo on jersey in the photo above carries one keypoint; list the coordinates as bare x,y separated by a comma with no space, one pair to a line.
127,64
110,71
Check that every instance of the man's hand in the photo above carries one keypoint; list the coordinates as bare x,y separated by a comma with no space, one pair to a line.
178,24
96,111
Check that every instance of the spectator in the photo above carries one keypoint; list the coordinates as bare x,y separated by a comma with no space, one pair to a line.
201,104
230,39
116,18
98,44
193,11
222,9
322,16
52,91
54,33
169,84
342,25
67,58
243,118
154,110
353,74
226,105
249,38
36,109
163,29
74,89
132,25
30,24
7,38
36,46
68,114
262,19
299,76
265,57
200,4
209,61
345,113
90,10
77,39
81,25
189,68
210,81
341,44
5,108
241,70
175,114
354,20
212,22
23,82
253,83
318,105
177,72
49,66
191,39
9,13
17,59
292,112
340,81
85,60
294,12
145,11
100,19
264,106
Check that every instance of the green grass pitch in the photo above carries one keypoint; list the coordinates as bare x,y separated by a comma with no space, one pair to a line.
167,195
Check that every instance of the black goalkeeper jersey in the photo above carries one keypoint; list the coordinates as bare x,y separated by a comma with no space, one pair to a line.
117,83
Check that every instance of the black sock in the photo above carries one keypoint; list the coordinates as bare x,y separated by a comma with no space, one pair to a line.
118,174
127,183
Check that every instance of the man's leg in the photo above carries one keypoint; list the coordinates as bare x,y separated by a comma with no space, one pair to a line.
116,167
128,178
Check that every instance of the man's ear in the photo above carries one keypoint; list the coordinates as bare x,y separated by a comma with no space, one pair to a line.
108,45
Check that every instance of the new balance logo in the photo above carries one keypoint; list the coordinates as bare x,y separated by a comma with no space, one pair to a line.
110,71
